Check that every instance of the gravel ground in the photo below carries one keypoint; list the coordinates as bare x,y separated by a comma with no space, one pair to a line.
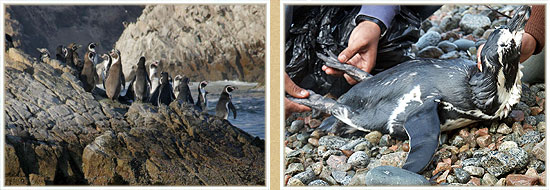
506,152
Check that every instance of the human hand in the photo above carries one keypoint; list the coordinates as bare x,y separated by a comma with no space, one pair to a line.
361,50
294,90
528,45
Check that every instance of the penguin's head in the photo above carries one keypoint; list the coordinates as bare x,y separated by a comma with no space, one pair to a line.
228,89
141,63
203,84
185,80
164,78
65,51
73,46
115,54
44,53
500,54
91,56
178,78
153,69
105,57
91,47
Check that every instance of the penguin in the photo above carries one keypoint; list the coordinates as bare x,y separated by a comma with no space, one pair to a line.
89,74
115,81
183,89
141,83
61,53
72,56
8,41
177,80
91,48
44,54
418,99
202,103
107,61
164,93
224,103
153,76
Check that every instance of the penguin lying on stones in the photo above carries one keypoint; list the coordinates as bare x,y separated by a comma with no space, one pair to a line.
202,103
224,103
184,91
89,74
115,81
141,83
164,93
419,98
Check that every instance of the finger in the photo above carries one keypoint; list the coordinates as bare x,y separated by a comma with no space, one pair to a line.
332,71
292,107
293,89
348,53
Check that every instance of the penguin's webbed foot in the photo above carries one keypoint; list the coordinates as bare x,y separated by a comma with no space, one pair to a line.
332,61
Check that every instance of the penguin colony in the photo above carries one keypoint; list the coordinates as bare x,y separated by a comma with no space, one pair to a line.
145,86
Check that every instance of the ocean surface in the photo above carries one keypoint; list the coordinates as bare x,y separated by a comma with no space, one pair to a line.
248,99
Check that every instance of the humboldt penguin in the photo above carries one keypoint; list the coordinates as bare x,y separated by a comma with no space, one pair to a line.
89,74
153,70
44,54
61,53
72,56
91,48
184,91
107,61
141,82
224,103
115,81
202,103
420,98
164,93
177,81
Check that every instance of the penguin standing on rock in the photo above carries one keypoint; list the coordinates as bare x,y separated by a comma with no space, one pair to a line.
201,99
91,48
183,89
177,81
115,80
163,94
89,74
153,70
141,82
224,103
61,53
107,61
44,54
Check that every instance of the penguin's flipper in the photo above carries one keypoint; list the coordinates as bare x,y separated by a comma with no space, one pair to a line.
332,61
422,126
154,97
232,108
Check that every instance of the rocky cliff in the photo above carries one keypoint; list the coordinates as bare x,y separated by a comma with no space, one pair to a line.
204,42
49,26
56,133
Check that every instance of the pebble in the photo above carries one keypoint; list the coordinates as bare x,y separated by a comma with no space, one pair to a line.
470,22
530,137
531,172
362,146
317,168
475,171
521,180
441,166
295,182
488,180
314,123
329,153
484,141
457,141
450,55
388,175
296,126
304,177
326,175
462,176
359,159
341,177
507,145
501,182
431,38
335,161
385,140
474,181
351,145
464,44
504,129
318,182
449,23
471,162
447,46
443,177
317,134
373,137
540,150
294,168
332,142
313,141
430,52
542,178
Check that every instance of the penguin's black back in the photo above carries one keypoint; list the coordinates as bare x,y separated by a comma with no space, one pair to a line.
221,107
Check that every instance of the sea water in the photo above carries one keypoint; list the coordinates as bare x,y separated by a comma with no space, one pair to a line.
248,99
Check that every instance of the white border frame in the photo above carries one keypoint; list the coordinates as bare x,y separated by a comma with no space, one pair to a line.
401,2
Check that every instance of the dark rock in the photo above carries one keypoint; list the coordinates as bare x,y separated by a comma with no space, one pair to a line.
530,137
462,176
536,164
430,52
341,177
359,159
296,126
488,180
431,38
464,44
305,177
426,24
351,145
475,171
471,162
447,46
531,120
449,23
470,22
294,168
478,33
498,163
528,96
385,140
388,175
318,182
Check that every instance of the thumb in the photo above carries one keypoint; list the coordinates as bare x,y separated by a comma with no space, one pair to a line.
348,53
294,90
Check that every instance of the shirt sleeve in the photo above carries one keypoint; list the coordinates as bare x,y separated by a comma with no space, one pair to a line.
384,13
535,26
